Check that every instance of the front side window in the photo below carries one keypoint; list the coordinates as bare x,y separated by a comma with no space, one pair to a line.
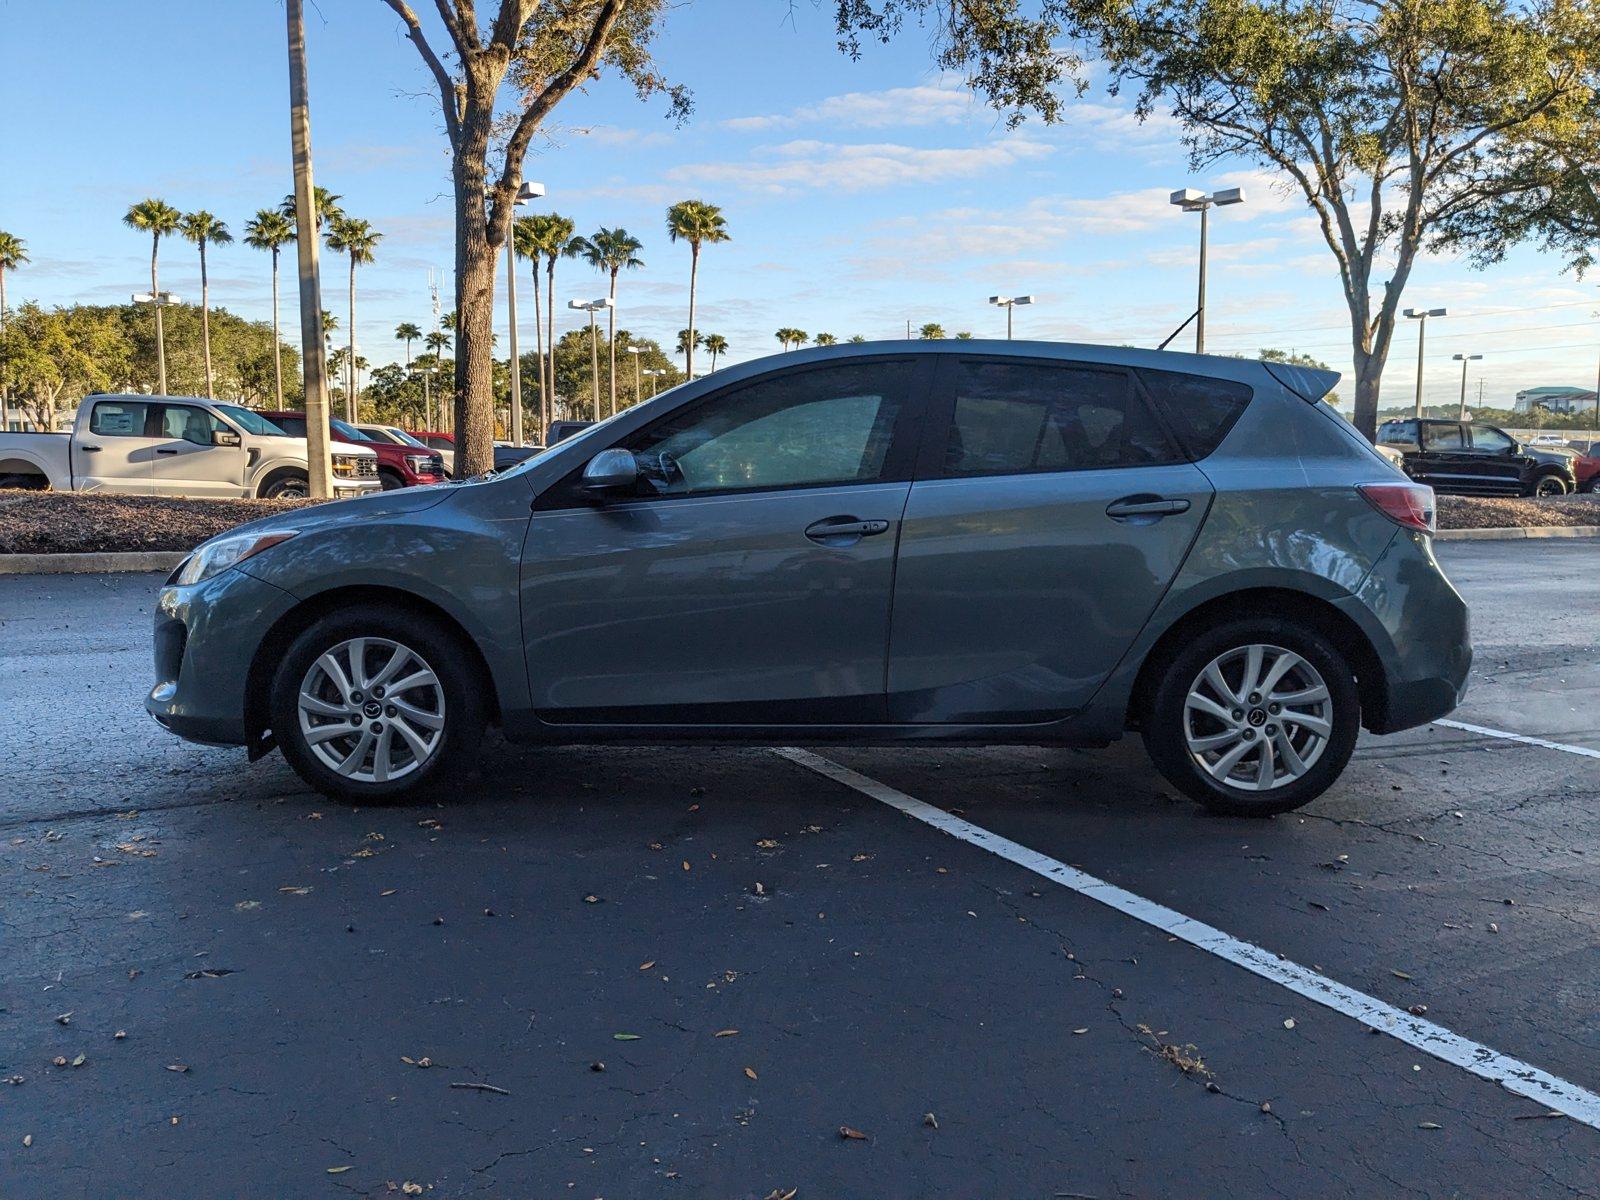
1441,437
831,425
249,421
1012,418
118,418
1491,440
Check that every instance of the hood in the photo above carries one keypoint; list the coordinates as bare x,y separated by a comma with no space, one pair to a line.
373,506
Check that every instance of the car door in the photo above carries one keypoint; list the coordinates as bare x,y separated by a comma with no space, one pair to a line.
747,580
115,453
186,462
1050,512
1496,459
1446,463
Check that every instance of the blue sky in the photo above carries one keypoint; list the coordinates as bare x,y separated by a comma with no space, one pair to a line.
860,195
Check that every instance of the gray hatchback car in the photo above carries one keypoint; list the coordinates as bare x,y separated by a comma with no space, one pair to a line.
955,542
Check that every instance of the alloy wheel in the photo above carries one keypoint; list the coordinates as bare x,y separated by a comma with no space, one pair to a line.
1257,717
372,710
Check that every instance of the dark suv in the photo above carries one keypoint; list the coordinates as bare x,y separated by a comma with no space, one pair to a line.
1464,458
398,466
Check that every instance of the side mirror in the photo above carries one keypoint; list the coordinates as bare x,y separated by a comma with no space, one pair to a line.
609,471
225,437
1515,447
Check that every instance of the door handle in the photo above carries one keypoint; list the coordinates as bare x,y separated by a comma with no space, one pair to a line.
835,530
1145,506
166,451
90,449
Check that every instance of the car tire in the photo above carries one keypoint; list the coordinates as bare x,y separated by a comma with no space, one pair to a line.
1191,731
290,486
426,733
391,480
1548,486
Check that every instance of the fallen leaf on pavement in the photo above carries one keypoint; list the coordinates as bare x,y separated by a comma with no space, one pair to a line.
750,1072
209,973
931,1121
1398,974
725,1033
180,1068
297,890
645,966
480,1087
337,1170
625,1037
1429,1125
388,891
855,1135
247,905
27,1140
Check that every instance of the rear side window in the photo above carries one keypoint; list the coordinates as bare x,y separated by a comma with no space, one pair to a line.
1441,437
1201,410
1398,433
1013,418
118,418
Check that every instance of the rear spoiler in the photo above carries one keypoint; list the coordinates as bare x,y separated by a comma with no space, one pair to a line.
1309,383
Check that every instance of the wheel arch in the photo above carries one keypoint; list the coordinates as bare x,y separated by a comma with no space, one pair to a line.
1280,604
275,643
15,464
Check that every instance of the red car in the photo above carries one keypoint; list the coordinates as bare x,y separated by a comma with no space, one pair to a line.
398,466
1586,467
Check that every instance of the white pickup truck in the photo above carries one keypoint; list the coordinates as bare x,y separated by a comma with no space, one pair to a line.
174,446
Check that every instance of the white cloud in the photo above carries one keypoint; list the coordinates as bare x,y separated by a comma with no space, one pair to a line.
809,166
943,103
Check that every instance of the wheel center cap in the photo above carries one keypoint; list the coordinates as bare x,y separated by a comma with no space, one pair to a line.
1258,716
373,709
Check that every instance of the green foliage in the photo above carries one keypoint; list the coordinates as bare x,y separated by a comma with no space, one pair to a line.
13,251
696,222
323,203
931,332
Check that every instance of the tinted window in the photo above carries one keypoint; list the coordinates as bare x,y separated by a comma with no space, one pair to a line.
293,426
1012,417
1441,437
1403,433
799,429
118,418
1201,410
187,422
249,420
1485,438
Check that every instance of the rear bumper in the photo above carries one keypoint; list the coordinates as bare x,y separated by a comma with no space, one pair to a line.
206,636
1420,630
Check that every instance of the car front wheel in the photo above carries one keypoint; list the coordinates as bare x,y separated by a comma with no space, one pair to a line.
374,706
1255,717
1549,486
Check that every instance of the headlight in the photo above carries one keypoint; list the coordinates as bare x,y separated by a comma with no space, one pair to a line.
344,465
423,464
215,557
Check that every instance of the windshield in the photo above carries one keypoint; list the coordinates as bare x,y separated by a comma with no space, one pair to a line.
349,432
404,438
250,422
582,436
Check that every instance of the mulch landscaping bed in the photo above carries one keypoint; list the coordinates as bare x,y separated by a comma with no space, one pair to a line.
75,523
65,523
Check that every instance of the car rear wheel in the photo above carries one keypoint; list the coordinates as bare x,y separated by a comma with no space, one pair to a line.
1255,717
374,705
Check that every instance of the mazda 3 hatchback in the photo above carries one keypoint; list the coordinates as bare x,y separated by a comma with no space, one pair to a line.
956,542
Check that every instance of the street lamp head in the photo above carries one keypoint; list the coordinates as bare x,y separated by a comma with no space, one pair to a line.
529,191
604,302
635,349
1228,196
1466,357
1187,198
1416,314
1023,300
1002,301
583,305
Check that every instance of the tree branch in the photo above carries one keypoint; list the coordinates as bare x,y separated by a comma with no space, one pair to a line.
449,99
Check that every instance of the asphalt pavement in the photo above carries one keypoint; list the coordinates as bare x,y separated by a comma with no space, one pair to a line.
719,973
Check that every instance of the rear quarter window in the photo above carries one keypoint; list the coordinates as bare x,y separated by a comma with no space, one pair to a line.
1201,410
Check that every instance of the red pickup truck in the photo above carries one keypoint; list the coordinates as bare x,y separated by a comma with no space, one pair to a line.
398,466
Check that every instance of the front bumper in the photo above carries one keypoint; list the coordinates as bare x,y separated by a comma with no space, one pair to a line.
206,636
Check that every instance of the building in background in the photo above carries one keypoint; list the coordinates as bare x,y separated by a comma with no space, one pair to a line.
1554,399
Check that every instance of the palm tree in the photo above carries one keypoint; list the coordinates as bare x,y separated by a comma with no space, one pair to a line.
157,218
931,332
716,344
791,337
683,341
13,253
824,339
437,343
407,332
348,235
855,339
323,203
270,230
552,236
204,228
695,222
612,250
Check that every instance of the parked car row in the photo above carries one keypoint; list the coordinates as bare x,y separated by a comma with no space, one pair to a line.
1468,458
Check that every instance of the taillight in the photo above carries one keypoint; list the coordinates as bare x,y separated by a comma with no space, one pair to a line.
1406,504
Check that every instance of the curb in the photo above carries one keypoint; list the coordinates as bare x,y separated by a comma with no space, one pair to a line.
1516,534
90,564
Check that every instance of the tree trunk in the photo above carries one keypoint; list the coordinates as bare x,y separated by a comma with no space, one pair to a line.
475,271
155,303
350,365
1369,377
5,388
694,275
611,338
277,352
538,344
205,319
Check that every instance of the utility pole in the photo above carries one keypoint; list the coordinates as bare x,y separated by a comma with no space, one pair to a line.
312,351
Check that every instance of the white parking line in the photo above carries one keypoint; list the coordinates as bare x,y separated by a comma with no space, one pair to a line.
1484,731
1510,1073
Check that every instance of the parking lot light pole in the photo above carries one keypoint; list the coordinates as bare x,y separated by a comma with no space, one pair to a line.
655,376
592,307
1192,200
1008,303
1421,315
637,352
1464,359
160,300
427,374
528,191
